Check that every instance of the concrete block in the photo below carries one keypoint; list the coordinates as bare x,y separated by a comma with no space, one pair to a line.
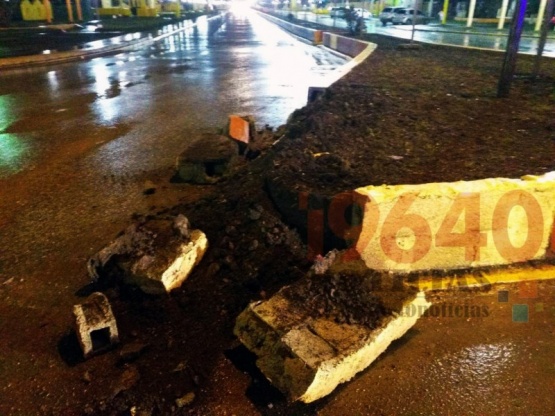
315,92
159,277
95,325
157,255
457,225
206,160
307,353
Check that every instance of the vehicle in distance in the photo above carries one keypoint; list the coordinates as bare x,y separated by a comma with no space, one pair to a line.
338,11
387,14
407,16
363,12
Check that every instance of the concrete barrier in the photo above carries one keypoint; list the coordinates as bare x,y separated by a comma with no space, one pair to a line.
312,35
345,45
457,225
353,48
307,355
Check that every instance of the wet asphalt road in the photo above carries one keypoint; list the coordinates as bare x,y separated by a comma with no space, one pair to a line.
77,143
72,135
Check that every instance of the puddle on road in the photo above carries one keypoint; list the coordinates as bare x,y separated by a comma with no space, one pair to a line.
14,148
480,366
14,151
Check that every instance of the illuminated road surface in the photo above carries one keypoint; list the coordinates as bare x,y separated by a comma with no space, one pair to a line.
78,142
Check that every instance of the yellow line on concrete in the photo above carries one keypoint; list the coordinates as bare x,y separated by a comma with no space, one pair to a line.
485,278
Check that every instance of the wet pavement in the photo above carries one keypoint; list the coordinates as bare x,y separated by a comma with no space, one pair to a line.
22,42
77,143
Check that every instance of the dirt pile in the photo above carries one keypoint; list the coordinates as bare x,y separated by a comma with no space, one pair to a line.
416,116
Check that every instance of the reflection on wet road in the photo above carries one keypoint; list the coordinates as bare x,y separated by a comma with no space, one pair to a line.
191,80
77,141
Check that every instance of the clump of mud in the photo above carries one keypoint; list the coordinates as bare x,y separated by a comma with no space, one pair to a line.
351,297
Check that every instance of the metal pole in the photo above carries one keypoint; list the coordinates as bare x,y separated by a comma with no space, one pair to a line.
69,11
48,8
471,10
79,11
413,21
445,11
509,64
543,37
539,19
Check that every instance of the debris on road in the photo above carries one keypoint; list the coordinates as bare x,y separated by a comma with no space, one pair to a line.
157,255
206,160
321,331
95,325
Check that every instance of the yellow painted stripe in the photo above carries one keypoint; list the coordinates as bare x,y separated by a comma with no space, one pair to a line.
490,277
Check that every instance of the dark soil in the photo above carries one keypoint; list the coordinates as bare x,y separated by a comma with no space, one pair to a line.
350,297
404,116
409,116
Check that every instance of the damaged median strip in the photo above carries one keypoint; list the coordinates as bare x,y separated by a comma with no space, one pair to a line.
322,331
308,338
435,231
329,326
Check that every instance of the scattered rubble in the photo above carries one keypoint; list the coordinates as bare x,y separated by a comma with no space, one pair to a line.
157,255
149,188
207,159
321,331
127,379
186,400
95,325
132,351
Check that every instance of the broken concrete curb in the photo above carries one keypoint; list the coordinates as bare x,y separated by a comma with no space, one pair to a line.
308,356
465,224
96,327
155,282
206,160
156,255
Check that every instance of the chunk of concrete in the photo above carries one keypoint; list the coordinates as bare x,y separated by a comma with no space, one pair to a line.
95,325
155,255
456,225
306,347
206,160
315,92
156,277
